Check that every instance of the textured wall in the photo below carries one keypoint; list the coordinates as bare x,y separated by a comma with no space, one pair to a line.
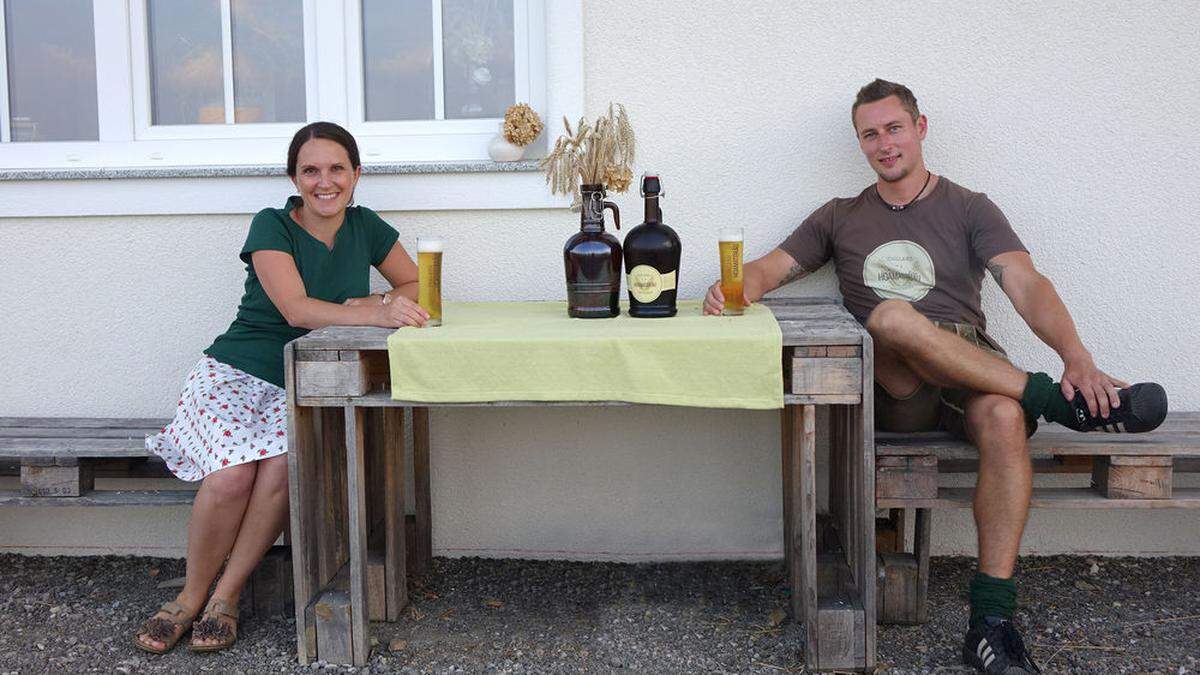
1073,117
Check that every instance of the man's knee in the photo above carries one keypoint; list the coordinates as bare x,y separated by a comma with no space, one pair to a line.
992,417
231,483
891,319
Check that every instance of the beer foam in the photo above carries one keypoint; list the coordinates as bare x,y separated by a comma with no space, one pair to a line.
430,245
734,234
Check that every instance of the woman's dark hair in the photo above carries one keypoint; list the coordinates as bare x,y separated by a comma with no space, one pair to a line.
326,130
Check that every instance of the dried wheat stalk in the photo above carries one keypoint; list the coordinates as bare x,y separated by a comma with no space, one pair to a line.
602,152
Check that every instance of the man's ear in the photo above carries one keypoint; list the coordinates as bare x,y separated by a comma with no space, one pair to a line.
922,127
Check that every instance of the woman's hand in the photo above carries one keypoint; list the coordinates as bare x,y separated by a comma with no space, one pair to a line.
398,311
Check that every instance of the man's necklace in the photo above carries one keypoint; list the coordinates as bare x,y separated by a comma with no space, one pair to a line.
901,207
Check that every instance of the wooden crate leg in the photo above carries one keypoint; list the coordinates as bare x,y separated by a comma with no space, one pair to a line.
424,542
785,427
270,589
332,618
890,531
922,533
395,553
803,571
898,588
857,454
376,586
356,493
56,476
332,536
1133,477
304,510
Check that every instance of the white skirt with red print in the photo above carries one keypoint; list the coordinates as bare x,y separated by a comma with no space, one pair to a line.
225,417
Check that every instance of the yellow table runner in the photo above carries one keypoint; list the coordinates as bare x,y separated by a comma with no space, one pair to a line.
532,351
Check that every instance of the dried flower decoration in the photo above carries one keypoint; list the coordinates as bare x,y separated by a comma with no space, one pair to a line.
618,178
602,152
521,124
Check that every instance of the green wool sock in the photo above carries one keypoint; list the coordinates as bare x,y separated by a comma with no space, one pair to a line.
1043,396
992,597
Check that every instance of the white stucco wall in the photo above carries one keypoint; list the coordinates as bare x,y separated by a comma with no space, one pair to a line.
1075,118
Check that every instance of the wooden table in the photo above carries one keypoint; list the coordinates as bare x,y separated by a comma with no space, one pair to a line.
346,463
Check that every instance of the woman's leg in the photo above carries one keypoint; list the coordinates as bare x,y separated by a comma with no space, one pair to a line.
216,516
265,517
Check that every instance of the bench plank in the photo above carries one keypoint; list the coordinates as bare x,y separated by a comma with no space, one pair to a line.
73,447
84,422
102,498
1053,498
78,433
1056,442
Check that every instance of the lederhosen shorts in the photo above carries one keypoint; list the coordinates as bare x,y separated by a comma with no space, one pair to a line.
933,408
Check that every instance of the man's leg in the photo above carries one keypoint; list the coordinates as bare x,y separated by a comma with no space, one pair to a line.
940,358
996,425
937,356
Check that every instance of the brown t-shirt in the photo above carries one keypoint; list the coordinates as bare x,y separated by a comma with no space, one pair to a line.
932,254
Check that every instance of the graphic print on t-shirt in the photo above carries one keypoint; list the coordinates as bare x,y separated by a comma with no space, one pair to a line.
899,270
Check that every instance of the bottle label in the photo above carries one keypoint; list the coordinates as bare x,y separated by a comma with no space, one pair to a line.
647,283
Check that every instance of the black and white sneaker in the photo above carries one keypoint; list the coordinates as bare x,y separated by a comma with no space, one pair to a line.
994,646
1143,408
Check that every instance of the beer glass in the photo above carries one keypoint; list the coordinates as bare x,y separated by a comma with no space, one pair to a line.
429,277
731,241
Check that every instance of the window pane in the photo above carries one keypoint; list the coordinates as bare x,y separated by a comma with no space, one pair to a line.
186,82
268,60
477,48
51,70
397,60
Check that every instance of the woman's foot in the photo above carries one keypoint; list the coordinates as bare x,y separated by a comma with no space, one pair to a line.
160,633
217,629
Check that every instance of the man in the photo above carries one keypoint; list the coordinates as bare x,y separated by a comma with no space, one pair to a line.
910,251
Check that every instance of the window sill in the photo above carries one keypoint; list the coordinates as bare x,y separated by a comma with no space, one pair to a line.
399,186
240,171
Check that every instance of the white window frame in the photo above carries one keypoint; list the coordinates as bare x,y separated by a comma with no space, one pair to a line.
333,91
457,137
139,40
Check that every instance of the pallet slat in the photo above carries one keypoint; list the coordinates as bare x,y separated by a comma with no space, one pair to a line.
73,447
1052,498
83,422
102,498
1046,443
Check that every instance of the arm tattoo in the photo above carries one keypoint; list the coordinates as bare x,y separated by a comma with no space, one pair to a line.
794,273
997,271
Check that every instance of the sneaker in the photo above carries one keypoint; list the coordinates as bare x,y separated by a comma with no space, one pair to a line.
994,646
1143,408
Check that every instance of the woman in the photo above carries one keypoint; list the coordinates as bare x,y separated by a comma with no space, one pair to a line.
307,266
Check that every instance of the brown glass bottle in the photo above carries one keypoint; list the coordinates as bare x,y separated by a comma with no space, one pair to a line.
593,260
652,259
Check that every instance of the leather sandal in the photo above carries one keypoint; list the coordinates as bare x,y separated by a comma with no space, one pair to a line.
211,627
165,629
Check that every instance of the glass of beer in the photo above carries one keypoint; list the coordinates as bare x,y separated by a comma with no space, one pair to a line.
429,277
731,240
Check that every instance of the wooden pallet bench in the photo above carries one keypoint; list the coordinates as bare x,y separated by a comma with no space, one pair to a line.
1126,470
59,459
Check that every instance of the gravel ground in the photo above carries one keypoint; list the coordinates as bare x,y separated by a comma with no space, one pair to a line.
1081,615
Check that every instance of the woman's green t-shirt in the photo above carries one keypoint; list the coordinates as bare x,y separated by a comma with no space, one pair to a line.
254,342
